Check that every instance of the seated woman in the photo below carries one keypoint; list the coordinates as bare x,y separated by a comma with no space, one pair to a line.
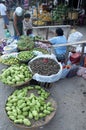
58,39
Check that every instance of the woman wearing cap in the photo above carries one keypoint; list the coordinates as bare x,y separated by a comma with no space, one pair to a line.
18,22
58,39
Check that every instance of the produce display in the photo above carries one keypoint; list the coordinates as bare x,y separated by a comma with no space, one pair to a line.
44,66
2,45
9,61
38,22
25,56
29,105
59,13
25,43
38,37
10,48
16,75
45,16
44,51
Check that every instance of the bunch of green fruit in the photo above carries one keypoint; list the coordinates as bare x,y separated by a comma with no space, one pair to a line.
59,13
10,61
16,75
24,107
25,55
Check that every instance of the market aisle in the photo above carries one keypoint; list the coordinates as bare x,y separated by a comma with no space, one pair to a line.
2,31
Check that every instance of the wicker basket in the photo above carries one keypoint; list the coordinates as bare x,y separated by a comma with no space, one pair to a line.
41,121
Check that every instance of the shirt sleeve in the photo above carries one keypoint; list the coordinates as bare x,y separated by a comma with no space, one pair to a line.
5,9
53,40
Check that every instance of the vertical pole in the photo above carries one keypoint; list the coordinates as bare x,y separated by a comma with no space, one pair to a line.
78,4
81,59
47,32
37,11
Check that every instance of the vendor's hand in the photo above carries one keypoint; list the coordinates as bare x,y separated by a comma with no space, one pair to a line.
18,34
50,45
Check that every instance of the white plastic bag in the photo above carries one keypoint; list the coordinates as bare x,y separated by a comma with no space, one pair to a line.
43,78
75,37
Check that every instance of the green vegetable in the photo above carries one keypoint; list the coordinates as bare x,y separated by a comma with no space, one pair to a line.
8,108
16,75
18,121
25,55
35,113
27,122
30,115
12,118
20,117
10,61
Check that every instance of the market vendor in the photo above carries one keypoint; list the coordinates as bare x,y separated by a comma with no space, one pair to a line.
60,52
18,22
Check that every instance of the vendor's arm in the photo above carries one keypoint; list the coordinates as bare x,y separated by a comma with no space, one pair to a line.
45,41
15,24
50,41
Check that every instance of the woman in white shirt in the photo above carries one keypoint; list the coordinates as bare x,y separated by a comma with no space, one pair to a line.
3,12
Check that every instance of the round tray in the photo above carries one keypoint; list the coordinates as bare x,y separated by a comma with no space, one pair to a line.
42,121
9,64
19,85
42,77
7,56
25,61
22,84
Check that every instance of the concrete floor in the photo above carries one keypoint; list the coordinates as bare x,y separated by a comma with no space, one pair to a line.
70,95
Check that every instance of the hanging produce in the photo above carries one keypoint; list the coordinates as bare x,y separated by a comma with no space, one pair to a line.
59,13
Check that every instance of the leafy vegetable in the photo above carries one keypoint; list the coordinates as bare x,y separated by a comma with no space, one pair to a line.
25,43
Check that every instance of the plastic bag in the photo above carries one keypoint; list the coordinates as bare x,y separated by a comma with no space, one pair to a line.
75,37
42,45
81,71
51,78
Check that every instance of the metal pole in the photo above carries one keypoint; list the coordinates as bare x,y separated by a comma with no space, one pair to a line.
78,4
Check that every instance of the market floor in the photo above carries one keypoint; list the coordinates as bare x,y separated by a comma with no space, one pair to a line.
70,95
